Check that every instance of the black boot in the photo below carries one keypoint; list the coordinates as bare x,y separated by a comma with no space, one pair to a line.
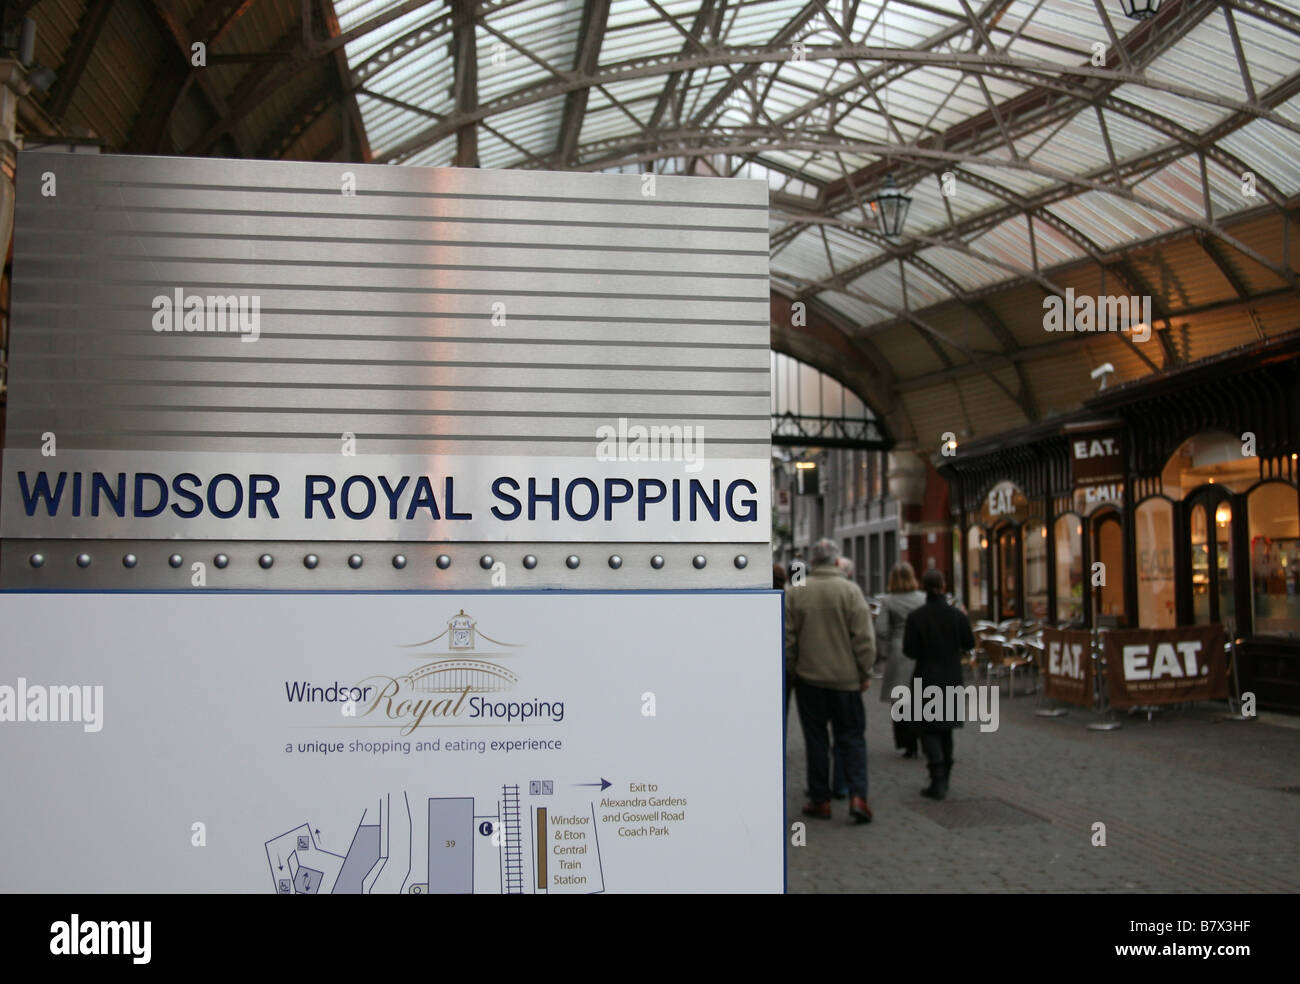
938,787
947,771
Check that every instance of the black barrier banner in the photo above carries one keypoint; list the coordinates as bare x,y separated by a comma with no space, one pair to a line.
1165,666
1067,666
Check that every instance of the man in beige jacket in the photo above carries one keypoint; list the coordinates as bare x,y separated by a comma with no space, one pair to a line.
830,648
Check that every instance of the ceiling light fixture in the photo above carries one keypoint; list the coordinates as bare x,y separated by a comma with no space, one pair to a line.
1140,10
890,207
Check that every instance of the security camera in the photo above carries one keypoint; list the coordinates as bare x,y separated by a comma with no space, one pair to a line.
1103,372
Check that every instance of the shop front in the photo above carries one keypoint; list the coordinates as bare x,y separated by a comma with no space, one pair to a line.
1162,503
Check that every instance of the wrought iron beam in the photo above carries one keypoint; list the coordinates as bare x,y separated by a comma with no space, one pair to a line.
704,17
1211,249
351,111
465,86
182,40
78,57
586,59
215,18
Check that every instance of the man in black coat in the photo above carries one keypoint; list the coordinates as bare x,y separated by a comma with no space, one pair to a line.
935,636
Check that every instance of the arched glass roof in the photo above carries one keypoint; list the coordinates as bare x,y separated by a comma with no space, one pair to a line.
1047,146
1028,133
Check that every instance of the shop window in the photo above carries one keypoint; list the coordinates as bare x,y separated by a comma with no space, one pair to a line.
1008,541
1213,577
1108,549
860,561
1275,559
1208,459
1069,569
1155,564
958,568
1200,567
891,551
1035,577
1225,576
977,571
875,563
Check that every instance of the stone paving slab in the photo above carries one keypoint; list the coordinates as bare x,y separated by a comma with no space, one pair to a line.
1190,803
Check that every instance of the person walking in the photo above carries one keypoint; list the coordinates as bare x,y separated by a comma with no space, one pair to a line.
905,596
830,647
935,635
839,778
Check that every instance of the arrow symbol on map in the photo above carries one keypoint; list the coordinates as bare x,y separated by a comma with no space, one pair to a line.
279,862
604,784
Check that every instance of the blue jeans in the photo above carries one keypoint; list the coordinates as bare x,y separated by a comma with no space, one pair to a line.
839,782
845,713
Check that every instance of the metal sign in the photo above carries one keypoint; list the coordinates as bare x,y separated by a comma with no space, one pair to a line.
240,363
414,743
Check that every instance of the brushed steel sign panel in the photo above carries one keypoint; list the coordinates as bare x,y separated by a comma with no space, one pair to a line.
179,315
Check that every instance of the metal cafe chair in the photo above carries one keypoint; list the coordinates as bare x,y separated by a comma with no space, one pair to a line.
1032,649
1006,656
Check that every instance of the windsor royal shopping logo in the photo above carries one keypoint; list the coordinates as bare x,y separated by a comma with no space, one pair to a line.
459,672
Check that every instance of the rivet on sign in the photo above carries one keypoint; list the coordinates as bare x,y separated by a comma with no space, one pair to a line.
83,560
530,562
175,560
657,562
36,560
129,560
265,561
615,561
310,562
221,560
443,562
399,561
355,562
699,562
485,562
572,562
741,562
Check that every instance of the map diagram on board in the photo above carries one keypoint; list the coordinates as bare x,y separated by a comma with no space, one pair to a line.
444,845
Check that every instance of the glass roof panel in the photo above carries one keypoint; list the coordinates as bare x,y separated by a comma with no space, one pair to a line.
351,13
1110,221
969,271
1177,186
1270,150
1204,59
1190,113
1272,53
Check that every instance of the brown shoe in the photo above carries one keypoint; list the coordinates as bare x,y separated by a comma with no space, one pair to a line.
821,811
859,810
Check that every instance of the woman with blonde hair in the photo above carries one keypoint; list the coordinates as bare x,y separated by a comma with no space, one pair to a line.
904,597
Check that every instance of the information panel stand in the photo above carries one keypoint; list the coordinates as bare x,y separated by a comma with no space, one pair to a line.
417,743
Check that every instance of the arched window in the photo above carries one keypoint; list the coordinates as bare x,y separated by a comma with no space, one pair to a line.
958,568
1155,564
1274,512
1035,578
977,571
1211,458
1069,568
1108,550
1210,545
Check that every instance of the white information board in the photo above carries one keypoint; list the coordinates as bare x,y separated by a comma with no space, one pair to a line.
415,743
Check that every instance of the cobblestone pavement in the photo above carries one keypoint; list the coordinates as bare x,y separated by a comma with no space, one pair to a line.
1191,803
